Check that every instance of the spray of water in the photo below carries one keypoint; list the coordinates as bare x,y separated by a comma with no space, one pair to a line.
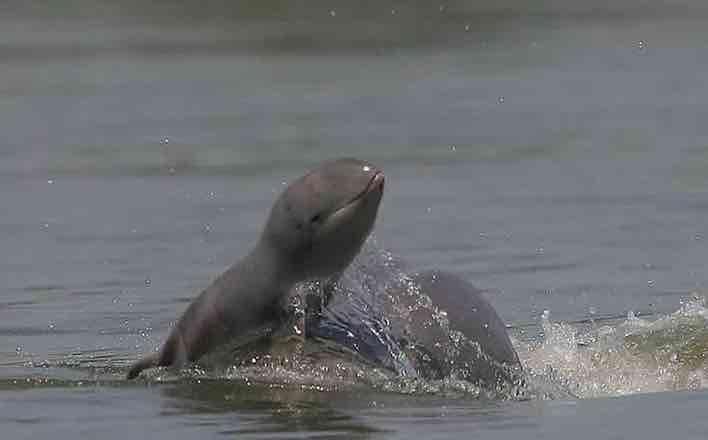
625,356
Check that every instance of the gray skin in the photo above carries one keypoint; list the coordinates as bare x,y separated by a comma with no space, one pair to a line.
383,321
315,229
469,312
489,360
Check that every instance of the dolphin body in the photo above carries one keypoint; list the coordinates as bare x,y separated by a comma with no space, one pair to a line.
431,324
315,229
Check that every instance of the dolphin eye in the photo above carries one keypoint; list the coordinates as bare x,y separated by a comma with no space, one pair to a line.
316,218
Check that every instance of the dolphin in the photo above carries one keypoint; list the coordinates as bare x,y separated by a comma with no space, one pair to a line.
431,324
459,332
315,229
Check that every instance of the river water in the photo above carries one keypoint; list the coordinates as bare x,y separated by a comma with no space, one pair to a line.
554,154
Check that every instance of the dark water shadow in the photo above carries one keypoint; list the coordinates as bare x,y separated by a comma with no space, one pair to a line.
270,409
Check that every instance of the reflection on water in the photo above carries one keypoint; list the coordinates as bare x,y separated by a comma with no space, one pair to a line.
286,409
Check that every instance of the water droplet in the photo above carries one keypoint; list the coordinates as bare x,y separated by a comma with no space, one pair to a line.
18,349
393,12
333,13
148,282
467,28
453,148
500,100
651,283
50,181
164,141
51,326
366,168
641,45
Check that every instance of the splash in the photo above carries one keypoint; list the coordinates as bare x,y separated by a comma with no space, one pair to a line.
621,357
379,329
631,356
610,358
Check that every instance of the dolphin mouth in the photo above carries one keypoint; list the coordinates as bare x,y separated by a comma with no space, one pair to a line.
376,183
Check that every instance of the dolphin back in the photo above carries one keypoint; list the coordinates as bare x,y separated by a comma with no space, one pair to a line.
469,312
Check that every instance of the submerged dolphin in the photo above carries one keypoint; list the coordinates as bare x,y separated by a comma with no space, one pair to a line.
315,229
468,339
431,324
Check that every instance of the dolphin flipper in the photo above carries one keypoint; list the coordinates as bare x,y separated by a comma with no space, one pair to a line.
148,361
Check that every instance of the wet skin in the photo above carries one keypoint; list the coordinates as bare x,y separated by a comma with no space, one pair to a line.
315,228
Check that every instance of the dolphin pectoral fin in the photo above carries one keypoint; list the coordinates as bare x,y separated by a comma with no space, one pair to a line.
148,361
172,354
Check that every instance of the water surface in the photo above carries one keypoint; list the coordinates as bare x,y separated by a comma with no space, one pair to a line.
555,155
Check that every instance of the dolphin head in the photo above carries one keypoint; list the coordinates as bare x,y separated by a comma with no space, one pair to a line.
319,223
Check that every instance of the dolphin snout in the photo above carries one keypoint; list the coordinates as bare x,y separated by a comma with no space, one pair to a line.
377,183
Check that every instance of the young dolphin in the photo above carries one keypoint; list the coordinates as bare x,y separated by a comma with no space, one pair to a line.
315,229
